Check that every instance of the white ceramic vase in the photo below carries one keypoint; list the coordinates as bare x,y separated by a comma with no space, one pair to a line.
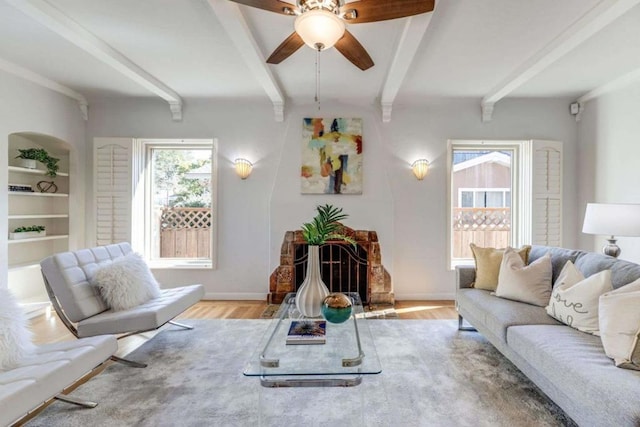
313,290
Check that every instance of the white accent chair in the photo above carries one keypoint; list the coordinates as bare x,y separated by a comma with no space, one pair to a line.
83,311
44,375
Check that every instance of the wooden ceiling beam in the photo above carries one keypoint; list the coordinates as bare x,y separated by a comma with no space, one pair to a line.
601,15
33,77
412,34
62,25
236,27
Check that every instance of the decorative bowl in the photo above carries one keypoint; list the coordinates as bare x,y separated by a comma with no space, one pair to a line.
336,308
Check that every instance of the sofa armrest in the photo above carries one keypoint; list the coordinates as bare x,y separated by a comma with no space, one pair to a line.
465,276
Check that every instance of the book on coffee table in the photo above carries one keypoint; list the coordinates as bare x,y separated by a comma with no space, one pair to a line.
307,332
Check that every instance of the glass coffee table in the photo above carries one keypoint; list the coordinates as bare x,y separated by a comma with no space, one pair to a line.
348,354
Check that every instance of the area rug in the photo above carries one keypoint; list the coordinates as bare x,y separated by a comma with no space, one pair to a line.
433,375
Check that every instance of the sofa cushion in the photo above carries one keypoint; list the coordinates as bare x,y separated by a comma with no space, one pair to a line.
622,272
148,316
619,315
576,363
497,314
559,257
68,275
488,262
526,283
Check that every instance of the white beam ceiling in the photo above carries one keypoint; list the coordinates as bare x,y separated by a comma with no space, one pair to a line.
236,27
67,28
26,74
406,50
589,24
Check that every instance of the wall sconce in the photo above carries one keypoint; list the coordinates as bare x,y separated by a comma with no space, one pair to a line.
420,168
243,168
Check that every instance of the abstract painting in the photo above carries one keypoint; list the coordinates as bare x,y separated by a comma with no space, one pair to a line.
331,156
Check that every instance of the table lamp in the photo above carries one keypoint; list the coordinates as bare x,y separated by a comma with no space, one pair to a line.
613,220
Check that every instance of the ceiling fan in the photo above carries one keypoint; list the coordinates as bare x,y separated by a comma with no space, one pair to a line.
321,23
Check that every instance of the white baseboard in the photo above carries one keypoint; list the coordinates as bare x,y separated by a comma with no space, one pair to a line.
240,296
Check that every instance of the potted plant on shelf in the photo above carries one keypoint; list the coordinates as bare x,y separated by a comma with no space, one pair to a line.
28,232
31,155
324,226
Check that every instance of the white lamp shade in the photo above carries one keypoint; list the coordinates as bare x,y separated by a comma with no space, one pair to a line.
319,27
612,219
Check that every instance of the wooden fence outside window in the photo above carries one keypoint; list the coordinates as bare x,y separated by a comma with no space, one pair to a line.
486,227
185,233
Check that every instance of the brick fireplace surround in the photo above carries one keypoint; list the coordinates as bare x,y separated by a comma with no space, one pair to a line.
379,287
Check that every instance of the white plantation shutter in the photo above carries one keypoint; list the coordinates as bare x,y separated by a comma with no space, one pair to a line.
547,193
112,184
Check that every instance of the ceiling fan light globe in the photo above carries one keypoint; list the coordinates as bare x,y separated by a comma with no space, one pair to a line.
319,27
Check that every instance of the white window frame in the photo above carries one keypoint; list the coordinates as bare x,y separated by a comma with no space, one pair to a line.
486,190
520,186
141,200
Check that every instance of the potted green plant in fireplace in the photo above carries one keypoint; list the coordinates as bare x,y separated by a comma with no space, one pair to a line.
32,155
324,226
29,232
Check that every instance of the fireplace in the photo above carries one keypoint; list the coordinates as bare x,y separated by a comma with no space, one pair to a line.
343,267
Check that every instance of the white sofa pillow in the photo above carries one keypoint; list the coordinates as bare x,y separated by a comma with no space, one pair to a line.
15,335
526,283
126,282
576,303
568,275
619,314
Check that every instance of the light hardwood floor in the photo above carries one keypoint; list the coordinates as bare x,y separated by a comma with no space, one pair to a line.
48,327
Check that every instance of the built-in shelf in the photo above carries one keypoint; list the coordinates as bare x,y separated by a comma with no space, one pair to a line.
40,216
38,239
34,194
33,171
22,266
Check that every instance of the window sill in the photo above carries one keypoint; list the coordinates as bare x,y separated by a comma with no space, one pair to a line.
180,264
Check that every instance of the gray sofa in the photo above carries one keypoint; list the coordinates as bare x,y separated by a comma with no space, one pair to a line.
569,366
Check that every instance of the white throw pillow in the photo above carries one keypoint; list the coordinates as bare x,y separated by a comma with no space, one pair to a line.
526,283
619,314
126,282
569,275
576,303
15,336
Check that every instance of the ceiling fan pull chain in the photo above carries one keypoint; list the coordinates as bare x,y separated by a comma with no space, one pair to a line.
318,49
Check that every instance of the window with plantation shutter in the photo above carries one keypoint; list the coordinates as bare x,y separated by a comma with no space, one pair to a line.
484,210
547,193
112,185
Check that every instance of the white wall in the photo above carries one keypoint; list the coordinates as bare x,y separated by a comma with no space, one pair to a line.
27,107
409,215
609,159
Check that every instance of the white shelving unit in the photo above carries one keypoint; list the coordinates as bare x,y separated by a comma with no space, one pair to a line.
36,208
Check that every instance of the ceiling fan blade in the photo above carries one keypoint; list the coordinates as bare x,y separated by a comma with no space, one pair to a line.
270,5
286,49
354,52
381,10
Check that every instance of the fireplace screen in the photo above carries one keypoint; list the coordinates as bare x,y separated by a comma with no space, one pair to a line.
343,268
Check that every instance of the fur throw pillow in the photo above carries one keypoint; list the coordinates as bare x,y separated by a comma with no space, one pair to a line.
15,336
126,282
